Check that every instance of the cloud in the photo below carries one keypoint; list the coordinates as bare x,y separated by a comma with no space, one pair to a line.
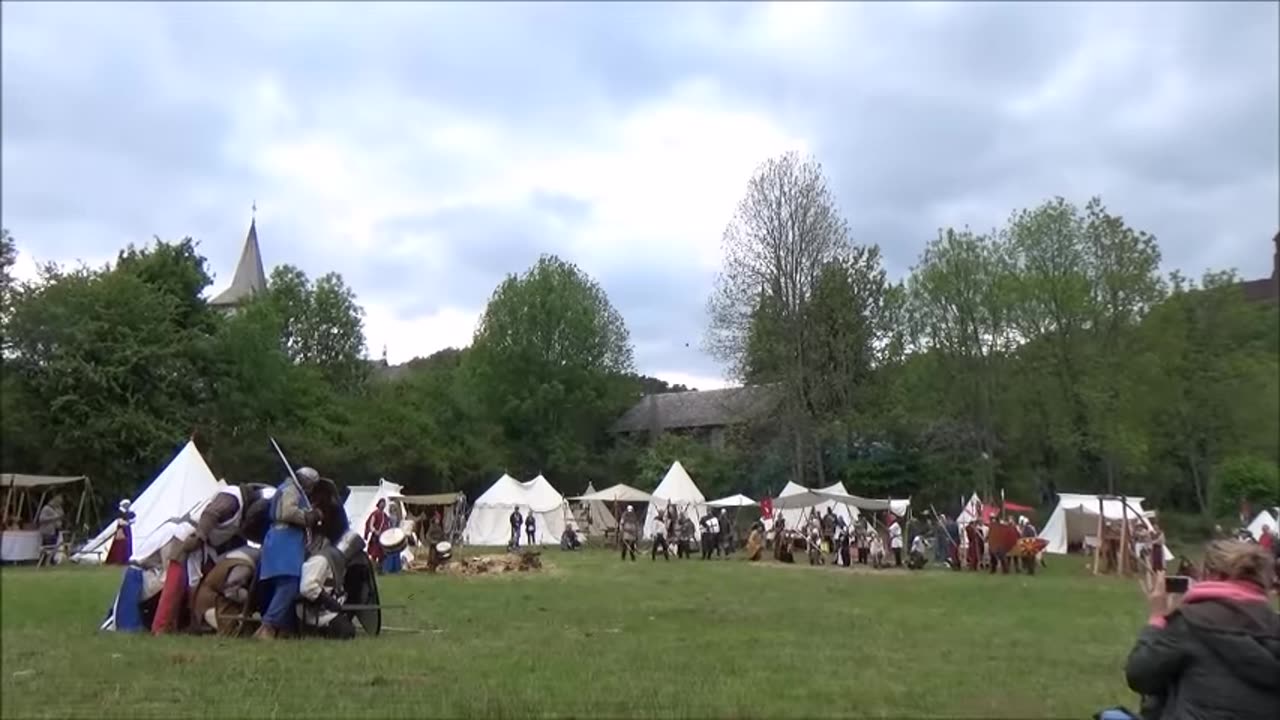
425,151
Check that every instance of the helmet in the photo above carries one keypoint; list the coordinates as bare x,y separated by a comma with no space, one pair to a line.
350,545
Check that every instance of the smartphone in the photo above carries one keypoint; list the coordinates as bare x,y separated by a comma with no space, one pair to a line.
1177,584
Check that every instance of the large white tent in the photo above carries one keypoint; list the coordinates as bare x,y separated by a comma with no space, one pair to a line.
800,501
1076,518
363,499
805,498
183,484
489,523
676,489
1264,519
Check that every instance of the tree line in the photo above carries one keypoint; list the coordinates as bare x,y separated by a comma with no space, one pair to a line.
1048,354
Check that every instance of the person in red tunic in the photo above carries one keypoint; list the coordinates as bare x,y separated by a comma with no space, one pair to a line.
377,523
974,553
122,543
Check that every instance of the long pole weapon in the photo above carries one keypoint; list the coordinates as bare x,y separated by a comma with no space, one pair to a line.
294,478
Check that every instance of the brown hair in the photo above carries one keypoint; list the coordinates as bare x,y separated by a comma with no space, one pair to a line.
1236,560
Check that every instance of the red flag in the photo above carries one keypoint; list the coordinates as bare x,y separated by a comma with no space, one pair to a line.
766,508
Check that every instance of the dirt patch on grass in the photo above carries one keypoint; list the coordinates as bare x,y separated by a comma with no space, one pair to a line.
472,566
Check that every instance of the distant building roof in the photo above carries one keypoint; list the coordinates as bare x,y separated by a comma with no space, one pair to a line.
249,279
698,408
1266,289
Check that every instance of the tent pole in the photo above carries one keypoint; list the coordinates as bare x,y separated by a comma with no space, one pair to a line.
1124,537
1097,550
4,519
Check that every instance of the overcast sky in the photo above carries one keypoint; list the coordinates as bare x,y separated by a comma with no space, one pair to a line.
426,150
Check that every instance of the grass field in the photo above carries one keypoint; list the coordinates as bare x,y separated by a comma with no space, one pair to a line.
595,637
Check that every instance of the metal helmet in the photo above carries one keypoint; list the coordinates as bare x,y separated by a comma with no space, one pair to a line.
350,545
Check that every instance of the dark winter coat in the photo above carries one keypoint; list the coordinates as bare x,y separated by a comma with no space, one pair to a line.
1217,657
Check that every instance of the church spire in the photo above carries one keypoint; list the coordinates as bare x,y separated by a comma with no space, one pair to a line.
249,278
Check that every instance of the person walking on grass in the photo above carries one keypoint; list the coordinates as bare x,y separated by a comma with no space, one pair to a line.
659,538
630,533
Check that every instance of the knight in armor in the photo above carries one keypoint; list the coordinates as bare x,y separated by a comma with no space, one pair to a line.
284,551
322,586
222,526
223,593
687,532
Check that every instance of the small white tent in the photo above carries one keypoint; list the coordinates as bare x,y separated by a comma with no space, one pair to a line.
733,501
1264,519
677,489
184,483
489,522
594,516
1076,518
971,511
620,493
362,499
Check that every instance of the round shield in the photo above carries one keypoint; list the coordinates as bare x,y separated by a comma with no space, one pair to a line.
393,540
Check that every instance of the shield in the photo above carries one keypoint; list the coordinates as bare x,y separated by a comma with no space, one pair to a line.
361,586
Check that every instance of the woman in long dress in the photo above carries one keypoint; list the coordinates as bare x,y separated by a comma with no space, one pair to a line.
122,543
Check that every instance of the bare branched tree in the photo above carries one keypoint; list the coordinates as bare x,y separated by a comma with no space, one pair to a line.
785,232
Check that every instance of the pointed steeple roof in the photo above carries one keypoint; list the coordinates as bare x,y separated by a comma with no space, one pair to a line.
249,279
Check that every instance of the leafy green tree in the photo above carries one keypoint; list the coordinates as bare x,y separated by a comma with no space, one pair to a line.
548,364
322,325
785,238
8,257
1214,382
101,357
961,306
1247,479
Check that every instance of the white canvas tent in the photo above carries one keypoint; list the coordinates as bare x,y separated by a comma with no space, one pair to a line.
733,501
805,498
1266,519
1076,518
363,499
676,489
795,501
489,522
971,511
596,515
183,484
620,493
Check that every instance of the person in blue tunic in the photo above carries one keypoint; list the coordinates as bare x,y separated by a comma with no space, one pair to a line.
283,552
